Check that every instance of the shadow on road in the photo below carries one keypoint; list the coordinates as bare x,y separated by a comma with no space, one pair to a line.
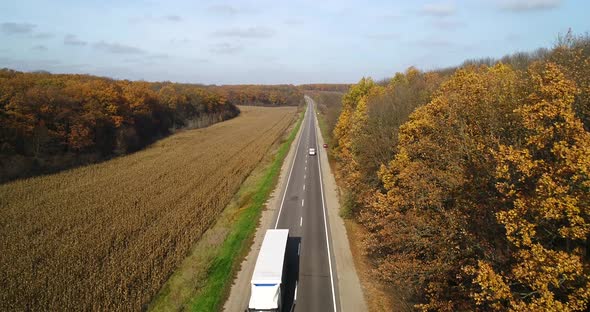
292,274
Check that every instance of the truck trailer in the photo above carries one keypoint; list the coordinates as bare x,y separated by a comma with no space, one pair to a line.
268,280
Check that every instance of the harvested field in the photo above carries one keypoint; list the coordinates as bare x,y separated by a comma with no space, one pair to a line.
107,236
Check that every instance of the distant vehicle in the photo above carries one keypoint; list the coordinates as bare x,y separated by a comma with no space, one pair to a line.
268,280
312,151
325,145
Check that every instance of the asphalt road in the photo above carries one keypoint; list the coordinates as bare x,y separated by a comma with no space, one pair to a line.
310,261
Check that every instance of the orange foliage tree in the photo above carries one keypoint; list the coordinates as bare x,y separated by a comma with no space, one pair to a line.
545,184
366,131
428,223
350,125
49,122
260,95
482,196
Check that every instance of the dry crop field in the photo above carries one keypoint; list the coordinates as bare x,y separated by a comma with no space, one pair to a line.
107,236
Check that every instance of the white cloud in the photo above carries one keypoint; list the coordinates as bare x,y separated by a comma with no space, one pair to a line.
293,21
43,35
73,40
438,9
17,28
225,48
529,5
226,9
252,32
447,24
383,36
434,42
117,48
159,56
149,18
40,48
173,18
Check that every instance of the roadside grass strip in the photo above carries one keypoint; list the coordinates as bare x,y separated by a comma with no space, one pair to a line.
220,274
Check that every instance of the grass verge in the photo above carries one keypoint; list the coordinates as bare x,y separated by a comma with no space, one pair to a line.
346,204
323,127
218,280
203,281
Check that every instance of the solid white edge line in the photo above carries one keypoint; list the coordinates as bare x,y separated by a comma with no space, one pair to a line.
326,226
289,177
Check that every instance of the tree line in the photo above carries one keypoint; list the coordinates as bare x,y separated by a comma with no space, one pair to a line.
260,95
328,104
50,122
473,183
334,87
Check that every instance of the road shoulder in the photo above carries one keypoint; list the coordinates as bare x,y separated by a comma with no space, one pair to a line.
240,290
349,286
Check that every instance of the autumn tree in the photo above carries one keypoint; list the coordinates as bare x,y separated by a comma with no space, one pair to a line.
329,104
387,110
545,184
260,95
366,131
350,124
479,199
572,55
433,217
49,122
327,87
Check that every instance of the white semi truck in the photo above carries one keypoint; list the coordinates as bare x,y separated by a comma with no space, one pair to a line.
268,280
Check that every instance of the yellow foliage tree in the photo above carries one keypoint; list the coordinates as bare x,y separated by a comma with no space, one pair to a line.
437,212
350,117
546,186
572,56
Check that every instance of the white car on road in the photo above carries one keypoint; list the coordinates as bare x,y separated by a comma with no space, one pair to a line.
312,151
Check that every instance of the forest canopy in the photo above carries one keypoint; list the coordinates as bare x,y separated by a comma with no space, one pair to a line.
335,87
50,122
473,183
260,95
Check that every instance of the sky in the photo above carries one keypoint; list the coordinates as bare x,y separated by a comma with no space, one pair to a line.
273,41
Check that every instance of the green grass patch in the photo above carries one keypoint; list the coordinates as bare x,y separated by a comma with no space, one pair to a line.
324,127
347,205
216,284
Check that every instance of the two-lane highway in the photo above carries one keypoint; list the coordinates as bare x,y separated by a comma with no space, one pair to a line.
303,212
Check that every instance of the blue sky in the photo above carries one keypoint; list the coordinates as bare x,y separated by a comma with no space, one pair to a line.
272,41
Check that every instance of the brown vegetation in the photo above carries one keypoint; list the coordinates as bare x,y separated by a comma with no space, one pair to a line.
329,105
473,183
107,236
260,95
50,122
329,87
